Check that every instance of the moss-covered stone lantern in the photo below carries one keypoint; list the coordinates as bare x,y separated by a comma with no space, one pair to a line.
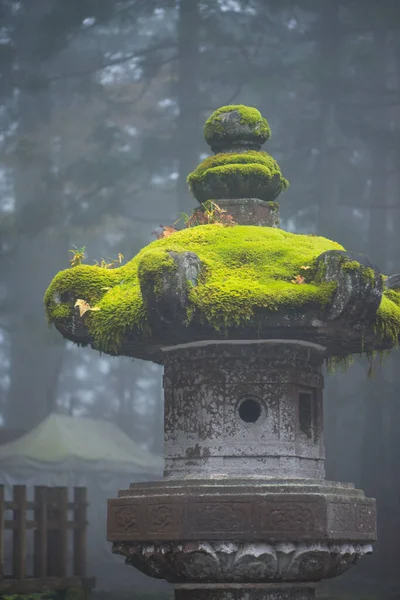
242,315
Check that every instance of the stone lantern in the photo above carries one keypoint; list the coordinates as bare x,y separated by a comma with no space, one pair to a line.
243,316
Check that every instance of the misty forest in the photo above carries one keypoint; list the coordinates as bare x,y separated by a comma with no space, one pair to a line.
102,108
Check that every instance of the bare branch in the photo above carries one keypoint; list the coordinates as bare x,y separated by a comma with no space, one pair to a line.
99,67
95,24
112,63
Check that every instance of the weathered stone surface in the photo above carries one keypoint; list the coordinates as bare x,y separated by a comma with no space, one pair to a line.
243,511
361,258
393,282
358,296
168,301
240,501
253,509
240,418
233,132
244,410
338,337
255,562
251,211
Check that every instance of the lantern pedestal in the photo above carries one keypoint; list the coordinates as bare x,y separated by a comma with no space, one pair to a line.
245,592
244,511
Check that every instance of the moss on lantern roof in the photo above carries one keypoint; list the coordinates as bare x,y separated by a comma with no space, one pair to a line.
245,269
250,174
388,318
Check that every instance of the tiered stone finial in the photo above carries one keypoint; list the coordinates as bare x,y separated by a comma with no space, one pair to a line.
240,178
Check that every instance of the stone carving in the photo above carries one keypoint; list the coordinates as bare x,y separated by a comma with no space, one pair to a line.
291,516
242,511
221,517
160,518
206,562
126,519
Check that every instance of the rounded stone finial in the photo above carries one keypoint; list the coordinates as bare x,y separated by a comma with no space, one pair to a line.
239,170
236,127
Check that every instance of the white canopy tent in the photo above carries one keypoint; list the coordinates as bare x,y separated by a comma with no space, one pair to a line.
96,454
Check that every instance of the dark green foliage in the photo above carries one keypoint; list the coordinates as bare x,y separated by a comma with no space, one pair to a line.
78,593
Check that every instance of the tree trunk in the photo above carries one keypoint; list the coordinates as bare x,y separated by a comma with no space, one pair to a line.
36,353
327,188
188,134
375,464
394,406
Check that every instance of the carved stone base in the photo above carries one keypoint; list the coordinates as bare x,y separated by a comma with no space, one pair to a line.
243,592
226,562
258,510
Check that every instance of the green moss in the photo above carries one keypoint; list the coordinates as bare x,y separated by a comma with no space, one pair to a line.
246,272
388,317
216,129
237,175
45,595
115,291
152,266
61,312
393,296
229,159
342,363
338,363
366,272
76,593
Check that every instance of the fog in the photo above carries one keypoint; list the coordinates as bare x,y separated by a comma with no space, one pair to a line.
102,106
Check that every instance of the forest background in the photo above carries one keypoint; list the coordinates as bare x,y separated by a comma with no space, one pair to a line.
102,104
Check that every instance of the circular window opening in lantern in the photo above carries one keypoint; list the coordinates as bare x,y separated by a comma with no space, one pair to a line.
250,410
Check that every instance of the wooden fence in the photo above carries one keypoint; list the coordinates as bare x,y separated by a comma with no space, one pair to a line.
38,538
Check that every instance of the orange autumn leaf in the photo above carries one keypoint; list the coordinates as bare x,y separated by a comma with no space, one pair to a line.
165,231
298,279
